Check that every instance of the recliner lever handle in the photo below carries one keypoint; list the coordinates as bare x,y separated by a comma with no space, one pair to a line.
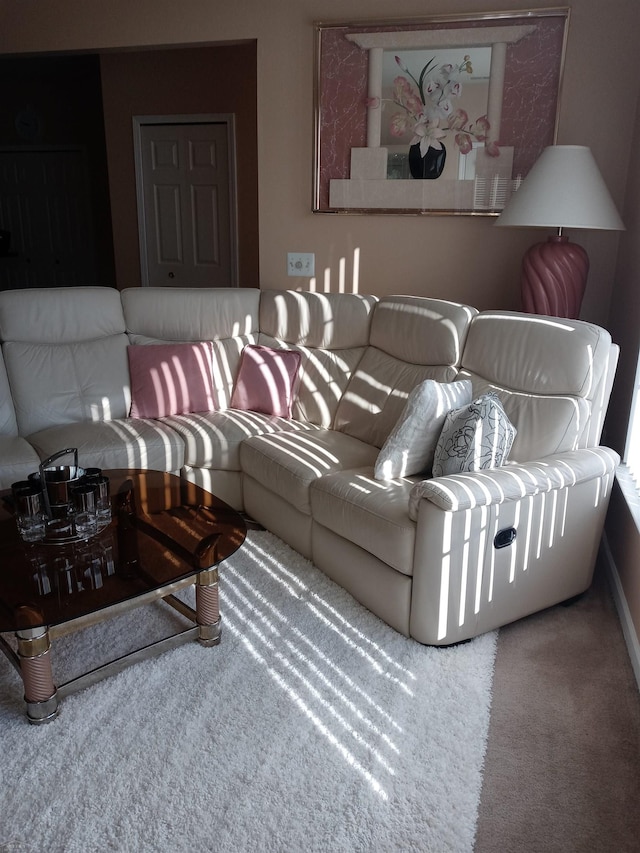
504,538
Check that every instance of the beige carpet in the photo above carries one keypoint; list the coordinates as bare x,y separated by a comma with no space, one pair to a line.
562,769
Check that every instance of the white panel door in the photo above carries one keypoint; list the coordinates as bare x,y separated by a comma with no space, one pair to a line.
186,195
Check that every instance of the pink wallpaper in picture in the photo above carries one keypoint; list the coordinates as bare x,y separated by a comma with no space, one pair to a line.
532,80
343,111
530,99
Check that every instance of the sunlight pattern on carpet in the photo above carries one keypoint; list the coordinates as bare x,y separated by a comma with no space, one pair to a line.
312,726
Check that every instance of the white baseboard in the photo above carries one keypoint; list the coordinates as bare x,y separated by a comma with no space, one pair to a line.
628,628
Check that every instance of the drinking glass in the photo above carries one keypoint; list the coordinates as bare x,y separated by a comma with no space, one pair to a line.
103,504
29,509
84,498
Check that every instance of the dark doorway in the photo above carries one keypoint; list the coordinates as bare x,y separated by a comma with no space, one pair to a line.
55,204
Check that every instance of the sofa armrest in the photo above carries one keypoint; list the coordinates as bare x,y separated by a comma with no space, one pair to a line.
513,481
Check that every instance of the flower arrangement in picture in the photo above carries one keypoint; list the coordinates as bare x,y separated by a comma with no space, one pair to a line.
428,108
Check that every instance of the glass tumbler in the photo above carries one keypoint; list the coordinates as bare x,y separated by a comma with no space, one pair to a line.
84,498
29,509
103,506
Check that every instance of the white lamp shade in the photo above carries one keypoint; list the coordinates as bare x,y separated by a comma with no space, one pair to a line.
564,189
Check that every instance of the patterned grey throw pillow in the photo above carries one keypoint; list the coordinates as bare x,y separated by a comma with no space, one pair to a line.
474,437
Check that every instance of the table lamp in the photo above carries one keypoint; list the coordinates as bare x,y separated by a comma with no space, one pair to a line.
564,189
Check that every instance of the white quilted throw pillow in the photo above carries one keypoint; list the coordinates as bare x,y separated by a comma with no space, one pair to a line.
474,437
411,443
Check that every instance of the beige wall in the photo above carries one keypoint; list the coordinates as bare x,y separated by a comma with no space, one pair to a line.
462,258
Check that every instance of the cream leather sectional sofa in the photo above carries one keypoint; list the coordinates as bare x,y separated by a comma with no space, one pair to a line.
440,559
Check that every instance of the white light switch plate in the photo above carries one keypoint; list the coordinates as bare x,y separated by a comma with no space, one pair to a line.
301,263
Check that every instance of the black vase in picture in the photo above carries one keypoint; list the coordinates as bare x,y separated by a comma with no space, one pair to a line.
428,167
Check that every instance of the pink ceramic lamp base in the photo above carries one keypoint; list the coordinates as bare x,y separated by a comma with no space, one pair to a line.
554,277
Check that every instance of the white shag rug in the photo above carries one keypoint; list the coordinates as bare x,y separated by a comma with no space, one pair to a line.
313,726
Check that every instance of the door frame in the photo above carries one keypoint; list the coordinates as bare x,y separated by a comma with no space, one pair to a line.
227,119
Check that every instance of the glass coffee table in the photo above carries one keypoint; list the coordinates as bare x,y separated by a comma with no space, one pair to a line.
165,534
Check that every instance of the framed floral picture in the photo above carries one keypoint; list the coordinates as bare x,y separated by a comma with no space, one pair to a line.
438,115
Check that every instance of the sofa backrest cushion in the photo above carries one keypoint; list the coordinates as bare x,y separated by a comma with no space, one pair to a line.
191,313
330,331
8,423
412,338
226,316
326,320
421,330
548,372
60,314
65,351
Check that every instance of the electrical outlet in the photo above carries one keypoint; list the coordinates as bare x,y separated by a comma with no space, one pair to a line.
301,263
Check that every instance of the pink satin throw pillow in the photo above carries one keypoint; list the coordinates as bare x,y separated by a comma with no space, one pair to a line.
171,379
266,380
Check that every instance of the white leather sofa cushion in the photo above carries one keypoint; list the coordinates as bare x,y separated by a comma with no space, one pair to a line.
60,315
287,463
545,424
191,314
368,512
55,384
412,339
557,356
547,371
323,378
8,424
420,330
326,320
601,396
550,374
378,392
213,439
19,459
65,354
130,443
330,331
